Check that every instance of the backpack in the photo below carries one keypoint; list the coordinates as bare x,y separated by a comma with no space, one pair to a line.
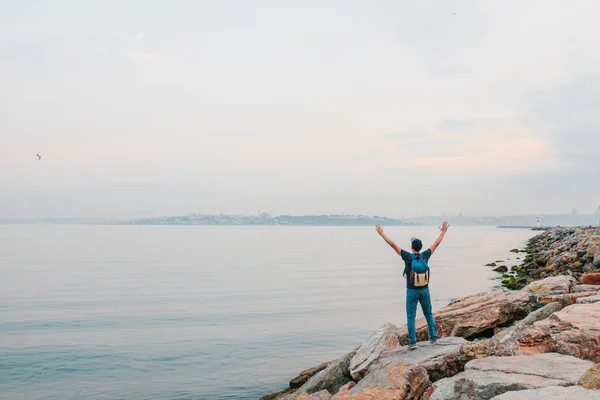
419,271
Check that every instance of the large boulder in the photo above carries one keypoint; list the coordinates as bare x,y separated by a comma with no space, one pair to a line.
574,330
440,360
591,378
551,393
385,338
590,279
488,377
555,284
472,315
392,381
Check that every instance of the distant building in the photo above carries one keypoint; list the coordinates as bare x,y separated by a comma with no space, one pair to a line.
460,214
574,212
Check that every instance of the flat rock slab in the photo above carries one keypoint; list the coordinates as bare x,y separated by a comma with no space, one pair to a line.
488,377
392,381
472,315
440,360
385,338
552,393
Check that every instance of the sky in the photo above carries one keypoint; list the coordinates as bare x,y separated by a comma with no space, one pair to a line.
148,108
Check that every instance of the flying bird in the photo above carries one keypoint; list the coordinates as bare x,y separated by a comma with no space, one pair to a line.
39,157
454,13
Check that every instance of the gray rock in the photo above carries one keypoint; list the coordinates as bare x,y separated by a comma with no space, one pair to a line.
596,261
552,393
542,313
385,338
589,268
586,288
488,377
331,379
589,299
441,360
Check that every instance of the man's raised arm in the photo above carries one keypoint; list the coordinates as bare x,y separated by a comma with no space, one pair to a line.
389,241
443,229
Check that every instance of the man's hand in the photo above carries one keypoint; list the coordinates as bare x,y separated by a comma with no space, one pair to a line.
389,241
443,230
444,227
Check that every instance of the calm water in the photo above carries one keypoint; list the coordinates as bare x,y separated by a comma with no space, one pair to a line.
132,312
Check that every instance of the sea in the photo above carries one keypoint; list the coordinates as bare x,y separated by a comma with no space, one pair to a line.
208,312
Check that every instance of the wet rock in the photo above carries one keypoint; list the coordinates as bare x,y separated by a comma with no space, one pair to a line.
501,268
385,338
551,393
488,377
590,279
472,315
391,381
554,284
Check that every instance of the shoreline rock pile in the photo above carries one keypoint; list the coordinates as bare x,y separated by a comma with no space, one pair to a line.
561,251
539,342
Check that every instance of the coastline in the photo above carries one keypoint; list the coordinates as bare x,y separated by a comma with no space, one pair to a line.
551,317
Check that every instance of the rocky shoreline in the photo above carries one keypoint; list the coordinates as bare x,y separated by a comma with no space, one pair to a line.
541,341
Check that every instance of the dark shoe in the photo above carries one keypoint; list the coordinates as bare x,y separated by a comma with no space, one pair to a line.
412,346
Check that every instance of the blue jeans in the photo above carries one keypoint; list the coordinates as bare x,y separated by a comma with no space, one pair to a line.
413,297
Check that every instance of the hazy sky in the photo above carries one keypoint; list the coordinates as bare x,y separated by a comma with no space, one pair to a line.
376,107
